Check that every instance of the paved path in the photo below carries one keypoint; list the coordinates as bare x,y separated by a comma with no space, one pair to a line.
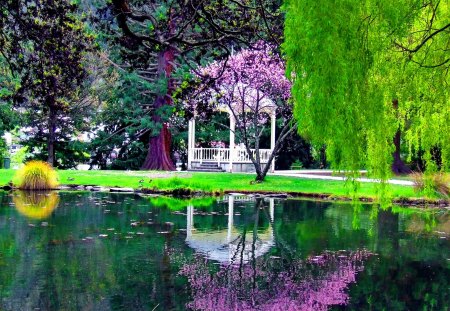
315,174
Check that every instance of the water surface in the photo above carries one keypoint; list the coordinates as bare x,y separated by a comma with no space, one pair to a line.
103,251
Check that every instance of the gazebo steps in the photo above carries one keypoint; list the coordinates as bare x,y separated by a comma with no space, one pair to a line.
207,167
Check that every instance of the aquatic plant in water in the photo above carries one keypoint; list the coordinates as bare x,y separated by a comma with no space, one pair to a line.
36,175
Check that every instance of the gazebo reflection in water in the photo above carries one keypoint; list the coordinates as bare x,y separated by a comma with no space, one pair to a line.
233,245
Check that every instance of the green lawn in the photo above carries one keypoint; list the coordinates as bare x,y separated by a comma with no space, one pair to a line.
214,182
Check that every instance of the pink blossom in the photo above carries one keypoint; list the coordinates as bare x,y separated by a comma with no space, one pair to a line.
260,68
217,144
252,80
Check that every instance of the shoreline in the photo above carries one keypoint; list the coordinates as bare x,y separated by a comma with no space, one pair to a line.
189,193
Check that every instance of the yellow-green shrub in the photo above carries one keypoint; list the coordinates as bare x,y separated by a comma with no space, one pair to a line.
36,175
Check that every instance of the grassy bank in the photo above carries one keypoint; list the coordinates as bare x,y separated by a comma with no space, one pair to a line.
212,182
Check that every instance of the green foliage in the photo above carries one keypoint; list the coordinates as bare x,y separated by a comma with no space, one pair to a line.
124,123
3,151
8,84
46,50
325,79
296,151
69,153
432,184
297,165
20,156
36,175
349,60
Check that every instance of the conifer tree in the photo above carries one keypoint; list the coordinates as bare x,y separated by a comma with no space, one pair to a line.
45,45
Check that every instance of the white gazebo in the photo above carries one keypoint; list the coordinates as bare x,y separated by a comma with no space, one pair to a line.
235,158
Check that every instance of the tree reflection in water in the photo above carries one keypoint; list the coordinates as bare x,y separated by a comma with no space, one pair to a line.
231,245
252,280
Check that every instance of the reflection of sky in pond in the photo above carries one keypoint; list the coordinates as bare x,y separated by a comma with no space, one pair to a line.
106,251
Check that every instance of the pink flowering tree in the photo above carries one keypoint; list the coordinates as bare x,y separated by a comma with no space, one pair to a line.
252,87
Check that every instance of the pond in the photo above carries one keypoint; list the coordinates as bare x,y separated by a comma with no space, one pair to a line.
110,251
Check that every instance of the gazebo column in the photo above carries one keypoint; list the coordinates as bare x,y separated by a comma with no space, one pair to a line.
193,137
273,118
189,144
191,141
232,136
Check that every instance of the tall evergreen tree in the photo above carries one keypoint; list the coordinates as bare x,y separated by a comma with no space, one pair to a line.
8,83
45,45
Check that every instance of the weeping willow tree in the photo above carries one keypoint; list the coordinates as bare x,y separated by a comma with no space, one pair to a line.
365,71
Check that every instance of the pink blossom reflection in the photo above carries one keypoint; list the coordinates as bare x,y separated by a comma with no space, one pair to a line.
274,283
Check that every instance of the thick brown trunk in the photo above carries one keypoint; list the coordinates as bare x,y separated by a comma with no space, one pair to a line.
158,154
51,137
398,166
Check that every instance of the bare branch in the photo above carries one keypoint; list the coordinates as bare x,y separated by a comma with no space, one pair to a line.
420,45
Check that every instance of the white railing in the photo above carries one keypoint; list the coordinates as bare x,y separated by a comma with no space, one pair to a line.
222,155
219,155
241,155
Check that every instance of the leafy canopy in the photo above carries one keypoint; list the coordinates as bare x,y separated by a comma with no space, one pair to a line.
45,47
351,59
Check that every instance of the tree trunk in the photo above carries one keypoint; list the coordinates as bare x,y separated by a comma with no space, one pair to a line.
262,172
260,176
158,154
51,137
398,166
